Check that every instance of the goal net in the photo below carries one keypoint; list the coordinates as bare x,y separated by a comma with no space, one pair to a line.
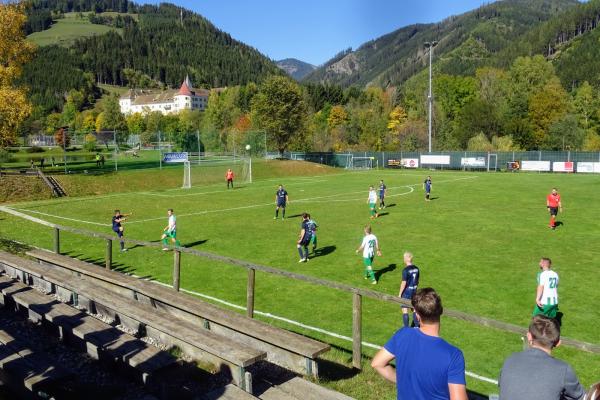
209,169
359,163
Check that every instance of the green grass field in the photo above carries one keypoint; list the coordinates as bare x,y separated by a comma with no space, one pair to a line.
477,243
66,30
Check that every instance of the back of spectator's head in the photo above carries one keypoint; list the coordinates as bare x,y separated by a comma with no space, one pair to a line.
594,393
544,331
428,305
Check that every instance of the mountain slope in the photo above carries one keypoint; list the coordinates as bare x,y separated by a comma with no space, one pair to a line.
164,42
395,57
295,68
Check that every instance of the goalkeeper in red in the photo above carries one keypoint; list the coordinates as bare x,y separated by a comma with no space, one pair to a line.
554,206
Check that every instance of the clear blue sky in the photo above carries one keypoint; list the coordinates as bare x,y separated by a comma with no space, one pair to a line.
315,30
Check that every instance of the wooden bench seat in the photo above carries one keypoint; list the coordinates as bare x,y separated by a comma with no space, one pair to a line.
229,392
99,337
203,344
284,348
26,369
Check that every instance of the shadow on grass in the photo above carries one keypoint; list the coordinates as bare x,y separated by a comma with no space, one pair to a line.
380,272
196,243
293,216
558,223
13,247
433,198
383,214
390,205
323,251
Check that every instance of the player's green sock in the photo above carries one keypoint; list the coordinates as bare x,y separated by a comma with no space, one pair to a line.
177,243
164,241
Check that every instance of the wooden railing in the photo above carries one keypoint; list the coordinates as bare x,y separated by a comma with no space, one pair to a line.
357,293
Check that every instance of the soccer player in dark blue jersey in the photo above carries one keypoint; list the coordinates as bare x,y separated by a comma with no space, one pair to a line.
281,200
304,238
382,193
427,186
117,227
408,287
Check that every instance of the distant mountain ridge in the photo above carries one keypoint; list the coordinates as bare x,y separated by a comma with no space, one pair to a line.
465,42
295,68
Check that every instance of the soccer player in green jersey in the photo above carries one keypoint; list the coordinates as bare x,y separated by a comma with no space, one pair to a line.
546,297
372,201
369,246
170,231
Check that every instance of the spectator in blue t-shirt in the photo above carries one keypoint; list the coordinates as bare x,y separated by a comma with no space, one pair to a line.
427,367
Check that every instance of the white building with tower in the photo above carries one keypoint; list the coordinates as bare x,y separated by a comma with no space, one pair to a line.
170,101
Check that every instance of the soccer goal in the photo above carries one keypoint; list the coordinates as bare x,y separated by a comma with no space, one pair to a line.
359,162
210,168
187,175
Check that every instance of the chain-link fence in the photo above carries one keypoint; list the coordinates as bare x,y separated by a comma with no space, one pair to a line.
566,161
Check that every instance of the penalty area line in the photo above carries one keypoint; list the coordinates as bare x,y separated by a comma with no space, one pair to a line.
305,326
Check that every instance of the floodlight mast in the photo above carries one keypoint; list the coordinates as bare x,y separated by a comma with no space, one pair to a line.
430,46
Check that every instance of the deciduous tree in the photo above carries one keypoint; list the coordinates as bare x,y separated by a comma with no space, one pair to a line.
279,109
14,52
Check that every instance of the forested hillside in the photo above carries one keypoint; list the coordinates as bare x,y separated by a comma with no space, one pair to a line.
466,42
165,42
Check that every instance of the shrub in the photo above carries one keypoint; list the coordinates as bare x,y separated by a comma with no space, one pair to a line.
35,149
5,156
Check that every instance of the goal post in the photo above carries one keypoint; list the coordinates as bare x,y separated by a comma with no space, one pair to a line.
209,168
187,175
359,162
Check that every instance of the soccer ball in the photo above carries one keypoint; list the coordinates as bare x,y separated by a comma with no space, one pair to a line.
247,147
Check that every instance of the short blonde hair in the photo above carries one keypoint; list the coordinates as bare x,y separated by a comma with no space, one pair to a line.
409,255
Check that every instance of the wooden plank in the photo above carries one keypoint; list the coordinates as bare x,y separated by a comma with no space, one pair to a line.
250,294
356,331
305,390
176,269
229,392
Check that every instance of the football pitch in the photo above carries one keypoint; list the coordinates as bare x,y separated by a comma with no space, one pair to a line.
477,242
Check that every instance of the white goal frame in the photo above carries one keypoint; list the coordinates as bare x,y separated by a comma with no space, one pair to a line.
354,162
187,175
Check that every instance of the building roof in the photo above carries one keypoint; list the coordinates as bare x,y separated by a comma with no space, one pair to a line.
186,87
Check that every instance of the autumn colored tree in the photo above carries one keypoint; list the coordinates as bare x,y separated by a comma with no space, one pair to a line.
14,52
547,106
62,138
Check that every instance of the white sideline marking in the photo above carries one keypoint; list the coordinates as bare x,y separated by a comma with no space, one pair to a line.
300,324
224,191
56,216
305,200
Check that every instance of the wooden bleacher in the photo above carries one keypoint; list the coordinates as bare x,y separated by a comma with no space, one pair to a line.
200,343
284,348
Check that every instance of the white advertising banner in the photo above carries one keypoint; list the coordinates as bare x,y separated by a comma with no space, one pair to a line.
588,167
563,166
472,162
535,166
175,157
437,160
410,162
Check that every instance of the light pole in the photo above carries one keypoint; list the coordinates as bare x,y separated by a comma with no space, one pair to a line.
430,46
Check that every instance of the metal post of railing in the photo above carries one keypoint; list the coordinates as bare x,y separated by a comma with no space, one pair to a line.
176,269
356,330
108,254
57,240
250,293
